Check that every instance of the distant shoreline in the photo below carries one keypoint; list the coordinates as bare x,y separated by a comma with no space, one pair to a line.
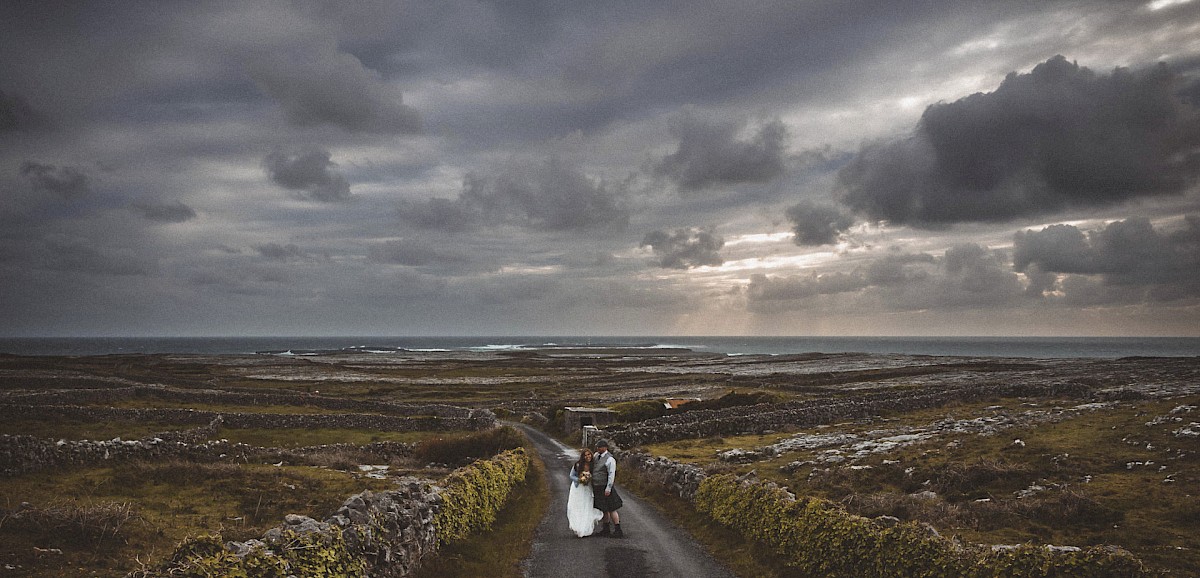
1031,347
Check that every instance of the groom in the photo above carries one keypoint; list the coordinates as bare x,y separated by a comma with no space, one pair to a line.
604,473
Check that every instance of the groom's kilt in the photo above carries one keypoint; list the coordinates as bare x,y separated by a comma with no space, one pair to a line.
604,503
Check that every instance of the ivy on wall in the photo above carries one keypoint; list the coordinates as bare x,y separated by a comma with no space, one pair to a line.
474,494
818,538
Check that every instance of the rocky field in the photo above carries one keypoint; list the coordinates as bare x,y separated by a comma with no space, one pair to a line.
1069,452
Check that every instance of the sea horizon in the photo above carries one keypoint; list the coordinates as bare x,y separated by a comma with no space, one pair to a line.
974,346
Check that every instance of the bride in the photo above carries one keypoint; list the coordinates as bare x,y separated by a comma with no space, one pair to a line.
581,515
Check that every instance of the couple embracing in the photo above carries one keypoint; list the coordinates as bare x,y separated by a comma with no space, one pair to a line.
593,497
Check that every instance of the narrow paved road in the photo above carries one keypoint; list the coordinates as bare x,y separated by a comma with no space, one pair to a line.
652,546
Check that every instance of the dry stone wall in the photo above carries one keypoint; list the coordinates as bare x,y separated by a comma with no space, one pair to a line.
24,454
392,532
762,418
21,454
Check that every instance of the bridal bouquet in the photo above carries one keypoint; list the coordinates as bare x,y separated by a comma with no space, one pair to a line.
585,477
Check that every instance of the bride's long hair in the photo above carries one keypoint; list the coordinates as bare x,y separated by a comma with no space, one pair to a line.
582,464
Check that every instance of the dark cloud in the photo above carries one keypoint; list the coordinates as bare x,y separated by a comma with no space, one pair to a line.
309,175
67,182
322,86
711,153
1129,252
685,248
818,224
172,212
1060,136
551,196
17,115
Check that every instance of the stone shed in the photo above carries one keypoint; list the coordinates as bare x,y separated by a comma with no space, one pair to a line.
574,418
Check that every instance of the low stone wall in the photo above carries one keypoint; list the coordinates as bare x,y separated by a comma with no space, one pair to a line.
682,479
472,419
770,417
23,454
221,397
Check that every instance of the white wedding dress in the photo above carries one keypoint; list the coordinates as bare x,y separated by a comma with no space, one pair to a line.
581,516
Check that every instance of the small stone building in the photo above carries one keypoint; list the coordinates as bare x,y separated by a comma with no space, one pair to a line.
574,418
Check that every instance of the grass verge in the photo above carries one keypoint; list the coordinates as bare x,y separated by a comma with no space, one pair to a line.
743,557
499,552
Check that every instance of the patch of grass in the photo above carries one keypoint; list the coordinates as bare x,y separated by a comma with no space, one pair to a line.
705,450
293,438
169,501
219,408
79,429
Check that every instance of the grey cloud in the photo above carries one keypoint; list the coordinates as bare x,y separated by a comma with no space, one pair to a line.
550,196
710,153
978,275
78,255
323,86
67,182
685,248
277,252
171,212
17,115
768,288
1129,252
310,175
818,224
967,276
454,215
449,260
897,269
411,253
1060,136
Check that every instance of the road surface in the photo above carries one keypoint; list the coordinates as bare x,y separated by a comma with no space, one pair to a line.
652,546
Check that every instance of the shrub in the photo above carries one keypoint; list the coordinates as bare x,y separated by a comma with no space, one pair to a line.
460,450
72,523
640,410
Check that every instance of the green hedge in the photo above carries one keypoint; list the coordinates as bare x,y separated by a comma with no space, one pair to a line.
818,538
474,494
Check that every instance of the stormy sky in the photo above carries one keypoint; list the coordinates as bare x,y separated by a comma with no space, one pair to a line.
527,167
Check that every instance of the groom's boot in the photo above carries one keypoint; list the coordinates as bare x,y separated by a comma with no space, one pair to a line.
618,533
605,531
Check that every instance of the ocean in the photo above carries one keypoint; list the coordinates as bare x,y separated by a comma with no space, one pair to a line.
1031,347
